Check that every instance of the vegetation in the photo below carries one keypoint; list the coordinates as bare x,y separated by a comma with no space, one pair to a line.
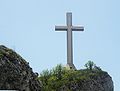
59,76
90,65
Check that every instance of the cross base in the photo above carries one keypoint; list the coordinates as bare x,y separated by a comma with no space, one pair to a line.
70,66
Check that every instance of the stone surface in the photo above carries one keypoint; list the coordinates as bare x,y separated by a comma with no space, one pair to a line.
101,82
15,72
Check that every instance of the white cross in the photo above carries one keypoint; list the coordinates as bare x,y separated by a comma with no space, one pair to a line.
69,28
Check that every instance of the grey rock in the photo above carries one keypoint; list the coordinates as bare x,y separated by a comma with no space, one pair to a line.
15,72
101,82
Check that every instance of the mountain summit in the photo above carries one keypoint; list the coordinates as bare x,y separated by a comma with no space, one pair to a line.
90,79
16,74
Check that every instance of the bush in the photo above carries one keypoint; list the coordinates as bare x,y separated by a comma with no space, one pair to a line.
90,65
59,76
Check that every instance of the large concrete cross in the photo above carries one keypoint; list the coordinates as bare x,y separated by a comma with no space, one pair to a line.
69,28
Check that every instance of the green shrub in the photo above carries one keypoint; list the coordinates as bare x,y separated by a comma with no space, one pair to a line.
53,80
90,65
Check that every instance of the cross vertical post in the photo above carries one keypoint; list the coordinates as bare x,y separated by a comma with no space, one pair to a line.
69,39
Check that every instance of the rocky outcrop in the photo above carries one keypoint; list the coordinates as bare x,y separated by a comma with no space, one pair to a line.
94,82
15,72
62,79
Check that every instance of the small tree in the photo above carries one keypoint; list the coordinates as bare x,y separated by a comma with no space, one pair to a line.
44,76
58,71
90,65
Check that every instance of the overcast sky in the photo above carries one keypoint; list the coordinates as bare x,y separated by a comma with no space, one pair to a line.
28,27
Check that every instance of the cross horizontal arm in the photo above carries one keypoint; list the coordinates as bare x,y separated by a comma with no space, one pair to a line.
61,28
77,28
